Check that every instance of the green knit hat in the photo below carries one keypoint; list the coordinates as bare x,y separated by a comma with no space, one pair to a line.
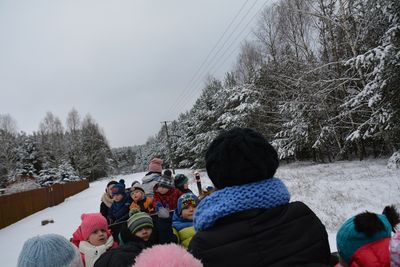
139,220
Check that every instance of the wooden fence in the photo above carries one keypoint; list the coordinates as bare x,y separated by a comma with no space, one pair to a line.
20,205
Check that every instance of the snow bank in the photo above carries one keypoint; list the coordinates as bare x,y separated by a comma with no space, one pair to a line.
333,191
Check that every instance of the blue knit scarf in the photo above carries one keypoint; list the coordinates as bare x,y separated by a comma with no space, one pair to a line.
265,194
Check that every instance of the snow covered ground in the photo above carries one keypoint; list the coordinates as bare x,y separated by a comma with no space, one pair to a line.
333,191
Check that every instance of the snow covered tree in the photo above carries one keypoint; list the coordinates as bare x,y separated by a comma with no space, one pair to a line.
66,172
73,139
373,103
28,163
96,153
125,159
8,144
51,135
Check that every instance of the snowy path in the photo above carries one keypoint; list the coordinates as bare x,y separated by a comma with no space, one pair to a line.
333,191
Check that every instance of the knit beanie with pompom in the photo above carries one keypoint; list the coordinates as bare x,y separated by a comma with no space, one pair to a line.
171,255
49,250
119,188
92,222
356,232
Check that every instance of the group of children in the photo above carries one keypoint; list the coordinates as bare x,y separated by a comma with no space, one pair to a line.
133,222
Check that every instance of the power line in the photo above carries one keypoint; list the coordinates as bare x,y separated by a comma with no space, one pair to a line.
198,82
191,91
206,59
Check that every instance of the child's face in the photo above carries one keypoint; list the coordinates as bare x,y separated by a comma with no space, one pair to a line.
98,237
188,213
144,233
137,195
162,190
109,189
185,186
118,197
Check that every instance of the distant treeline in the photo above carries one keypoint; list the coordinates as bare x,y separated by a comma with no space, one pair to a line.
320,79
53,153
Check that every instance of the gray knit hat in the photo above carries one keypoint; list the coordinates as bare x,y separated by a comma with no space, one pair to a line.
49,250
139,220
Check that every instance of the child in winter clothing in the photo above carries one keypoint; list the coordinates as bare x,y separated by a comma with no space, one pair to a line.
182,183
138,228
363,240
140,201
92,238
165,194
121,201
182,220
45,251
135,236
151,178
107,199
170,255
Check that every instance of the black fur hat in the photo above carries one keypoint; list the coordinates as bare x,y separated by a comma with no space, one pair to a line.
240,156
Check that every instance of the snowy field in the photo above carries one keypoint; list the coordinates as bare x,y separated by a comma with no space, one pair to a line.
333,191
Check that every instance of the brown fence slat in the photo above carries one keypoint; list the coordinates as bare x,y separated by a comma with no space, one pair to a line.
20,205
58,193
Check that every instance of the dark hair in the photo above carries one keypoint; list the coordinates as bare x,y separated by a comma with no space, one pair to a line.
111,183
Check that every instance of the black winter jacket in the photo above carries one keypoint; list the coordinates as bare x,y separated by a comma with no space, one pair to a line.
122,256
289,235
104,210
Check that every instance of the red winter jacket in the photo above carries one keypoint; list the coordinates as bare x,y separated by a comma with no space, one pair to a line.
374,254
169,199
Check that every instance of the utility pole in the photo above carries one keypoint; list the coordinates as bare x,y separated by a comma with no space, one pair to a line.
169,146
141,159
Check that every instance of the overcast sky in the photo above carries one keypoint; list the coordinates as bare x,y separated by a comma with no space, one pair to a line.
128,63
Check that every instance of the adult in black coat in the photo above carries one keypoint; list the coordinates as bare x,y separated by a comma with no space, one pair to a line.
106,199
249,221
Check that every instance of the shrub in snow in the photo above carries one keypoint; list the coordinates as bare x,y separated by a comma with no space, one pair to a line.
22,186
47,176
394,161
64,173
67,173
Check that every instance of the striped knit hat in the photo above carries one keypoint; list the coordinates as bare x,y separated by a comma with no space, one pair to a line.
139,220
166,182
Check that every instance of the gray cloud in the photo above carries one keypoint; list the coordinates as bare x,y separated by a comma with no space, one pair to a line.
124,62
